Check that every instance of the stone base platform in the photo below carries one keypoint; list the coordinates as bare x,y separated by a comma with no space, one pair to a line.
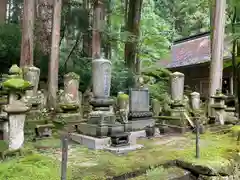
103,143
68,125
90,142
123,149
138,124
100,131
68,116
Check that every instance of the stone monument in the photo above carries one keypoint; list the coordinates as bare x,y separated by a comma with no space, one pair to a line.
33,96
140,115
70,102
177,119
102,120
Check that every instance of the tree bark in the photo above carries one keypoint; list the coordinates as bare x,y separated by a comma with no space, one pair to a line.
87,46
133,26
54,60
3,11
98,18
216,66
107,48
27,33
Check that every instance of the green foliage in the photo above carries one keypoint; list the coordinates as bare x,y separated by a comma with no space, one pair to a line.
187,17
10,40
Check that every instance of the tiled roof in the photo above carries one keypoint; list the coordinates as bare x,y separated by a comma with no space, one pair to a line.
194,51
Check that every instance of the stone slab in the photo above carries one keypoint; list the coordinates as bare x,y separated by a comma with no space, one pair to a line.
140,124
93,130
123,149
90,142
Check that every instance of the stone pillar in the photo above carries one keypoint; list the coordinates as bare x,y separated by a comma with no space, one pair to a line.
71,86
101,74
195,100
177,86
32,74
16,117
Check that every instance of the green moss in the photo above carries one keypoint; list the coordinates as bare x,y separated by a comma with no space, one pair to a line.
236,129
215,152
31,167
48,143
67,107
16,84
72,75
123,97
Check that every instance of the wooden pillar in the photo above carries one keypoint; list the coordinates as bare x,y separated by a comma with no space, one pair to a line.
216,68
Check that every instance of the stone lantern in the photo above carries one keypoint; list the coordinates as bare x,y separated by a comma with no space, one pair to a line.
16,109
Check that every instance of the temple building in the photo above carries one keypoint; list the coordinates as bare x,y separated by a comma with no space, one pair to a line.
191,56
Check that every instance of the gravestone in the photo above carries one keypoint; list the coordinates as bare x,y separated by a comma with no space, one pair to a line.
102,120
195,100
32,74
69,103
140,115
177,86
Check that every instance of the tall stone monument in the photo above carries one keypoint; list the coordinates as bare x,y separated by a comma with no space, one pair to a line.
102,121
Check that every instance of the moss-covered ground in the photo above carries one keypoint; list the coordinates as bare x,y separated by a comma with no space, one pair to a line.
44,163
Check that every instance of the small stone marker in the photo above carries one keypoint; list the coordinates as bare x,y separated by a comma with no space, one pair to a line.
195,101
65,139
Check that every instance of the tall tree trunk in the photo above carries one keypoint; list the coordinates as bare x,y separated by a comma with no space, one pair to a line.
98,19
54,60
107,48
216,68
43,30
87,46
133,26
3,11
27,33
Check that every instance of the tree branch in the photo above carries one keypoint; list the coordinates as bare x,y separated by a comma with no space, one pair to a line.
72,50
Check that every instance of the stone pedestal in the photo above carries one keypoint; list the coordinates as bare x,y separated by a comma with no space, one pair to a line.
16,117
218,108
